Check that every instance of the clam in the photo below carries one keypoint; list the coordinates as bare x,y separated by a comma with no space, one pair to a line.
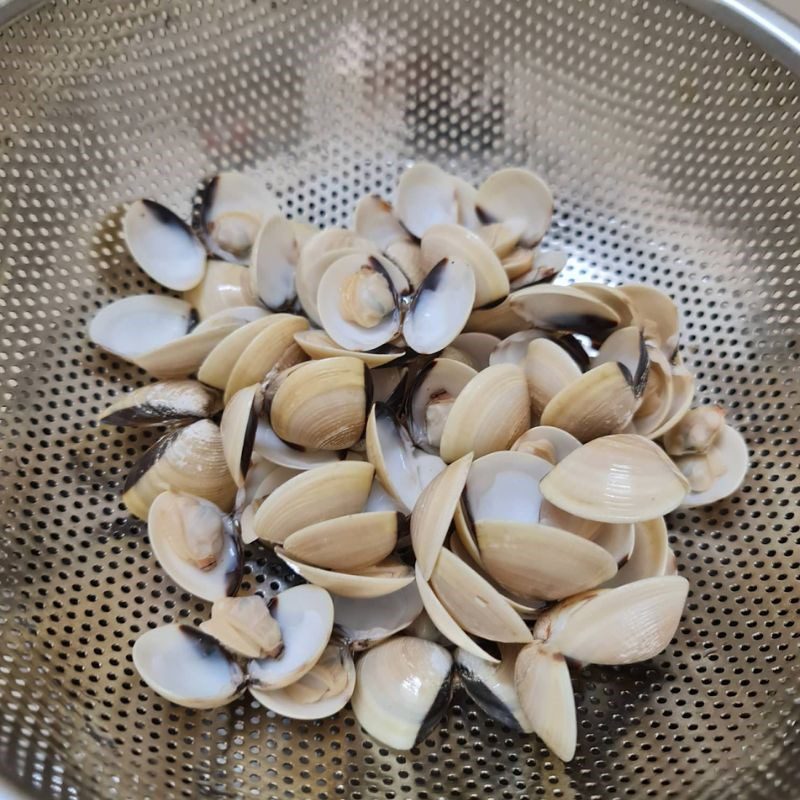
563,308
620,478
444,622
657,314
272,348
230,209
680,398
535,561
614,298
358,301
133,325
403,687
195,544
322,405
321,692
474,603
551,444
238,314
374,219
187,667
365,622
465,199
431,398
655,402
433,513
599,402
388,385
513,349
626,346
245,626
423,628
518,263
386,577
319,494
440,306
403,469
696,432
500,320
541,266
183,357
454,243
490,412
492,687
349,543
238,430
426,196
651,556
518,198
541,679
717,473
218,364
163,245
267,444
275,254
617,539
163,403
549,370
256,495
305,617
623,625
224,286
407,255
501,237
472,349
380,500
317,344
190,460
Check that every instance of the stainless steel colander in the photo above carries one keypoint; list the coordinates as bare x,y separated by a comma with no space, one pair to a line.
673,146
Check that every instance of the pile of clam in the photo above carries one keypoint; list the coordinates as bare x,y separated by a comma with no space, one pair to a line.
467,465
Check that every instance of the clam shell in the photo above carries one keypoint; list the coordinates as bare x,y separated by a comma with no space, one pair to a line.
426,196
501,237
433,513
408,257
374,219
474,349
237,314
731,450
223,286
621,478
187,667
655,402
238,430
696,432
189,460
563,308
535,561
682,394
403,688
544,266
474,603
275,253
317,344
541,678
319,494
454,243
245,626
549,369
491,411
269,445
597,403
163,245
164,402
626,346
347,544
133,325
514,348
617,539
322,405
517,197
651,556
381,579
613,298
562,443
276,477
466,194
654,306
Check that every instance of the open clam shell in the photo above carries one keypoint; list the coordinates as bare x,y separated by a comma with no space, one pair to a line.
492,687
250,497
499,320
542,266
454,243
273,259
229,211
402,690
305,616
651,556
618,626
133,325
696,432
365,622
349,543
655,402
238,430
613,297
544,441
472,349
518,198
626,346
440,306
187,667
620,478
657,314
195,544
536,561
163,245
541,678
322,405
426,196
549,369
189,460
564,308
245,626
681,397
238,314
433,513
324,690
730,452
163,403
386,577
317,344
224,285
267,444
490,412
374,219
513,349
319,494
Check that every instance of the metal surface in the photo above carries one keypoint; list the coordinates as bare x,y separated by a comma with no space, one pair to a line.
672,146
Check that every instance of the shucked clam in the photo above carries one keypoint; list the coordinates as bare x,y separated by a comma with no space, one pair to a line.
411,418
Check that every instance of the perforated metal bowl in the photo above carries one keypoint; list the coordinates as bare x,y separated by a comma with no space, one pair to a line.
672,146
